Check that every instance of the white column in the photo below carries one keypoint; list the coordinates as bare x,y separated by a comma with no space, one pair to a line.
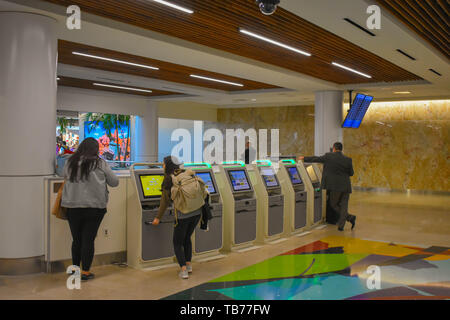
28,59
328,120
146,135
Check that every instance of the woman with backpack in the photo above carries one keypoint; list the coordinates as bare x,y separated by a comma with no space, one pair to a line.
85,195
185,222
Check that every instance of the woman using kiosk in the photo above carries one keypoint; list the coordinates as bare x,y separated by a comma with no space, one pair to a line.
188,193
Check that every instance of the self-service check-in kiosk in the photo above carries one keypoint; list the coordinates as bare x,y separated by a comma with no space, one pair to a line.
208,243
270,201
295,197
239,206
315,176
148,245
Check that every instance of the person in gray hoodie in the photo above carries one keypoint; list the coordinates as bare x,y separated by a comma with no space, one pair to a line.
85,195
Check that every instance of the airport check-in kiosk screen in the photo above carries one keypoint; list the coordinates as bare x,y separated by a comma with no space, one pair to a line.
151,185
239,180
294,175
269,177
312,174
206,177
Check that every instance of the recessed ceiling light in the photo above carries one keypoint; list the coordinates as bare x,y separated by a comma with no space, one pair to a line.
253,100
274,42
402,92
114,60
350,69
169,4
58,78
217,80
119,87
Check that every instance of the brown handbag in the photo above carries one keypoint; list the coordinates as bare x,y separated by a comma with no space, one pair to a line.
57,210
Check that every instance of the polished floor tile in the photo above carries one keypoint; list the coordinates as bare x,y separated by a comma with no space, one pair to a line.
407,236
341,269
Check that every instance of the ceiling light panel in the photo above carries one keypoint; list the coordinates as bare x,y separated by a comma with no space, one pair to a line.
120,87
257,36
350,69
114,60
174,6
217,80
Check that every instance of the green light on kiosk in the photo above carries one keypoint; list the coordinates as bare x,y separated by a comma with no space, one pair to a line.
241,163
200,164
291,161
260,163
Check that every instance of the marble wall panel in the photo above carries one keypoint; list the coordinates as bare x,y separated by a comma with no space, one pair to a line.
400,145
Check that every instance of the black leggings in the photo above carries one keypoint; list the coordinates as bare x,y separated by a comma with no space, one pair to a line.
182,243
84,224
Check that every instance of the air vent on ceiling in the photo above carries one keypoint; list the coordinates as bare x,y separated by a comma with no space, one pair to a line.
359,27
109,79
406,55
435,72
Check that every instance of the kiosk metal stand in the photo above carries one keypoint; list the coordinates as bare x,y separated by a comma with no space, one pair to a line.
270,201
148,246
207,244
295,197
315,200
239,206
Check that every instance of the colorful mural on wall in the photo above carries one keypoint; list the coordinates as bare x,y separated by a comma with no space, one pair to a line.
113,134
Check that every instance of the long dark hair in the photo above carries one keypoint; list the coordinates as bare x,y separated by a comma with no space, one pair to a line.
171,165
87,153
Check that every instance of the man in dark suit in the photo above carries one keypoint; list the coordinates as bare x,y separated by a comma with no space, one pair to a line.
337,170
250,154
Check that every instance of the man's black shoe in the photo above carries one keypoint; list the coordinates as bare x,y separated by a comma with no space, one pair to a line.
353,222
341,229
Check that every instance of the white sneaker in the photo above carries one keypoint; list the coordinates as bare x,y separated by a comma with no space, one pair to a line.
184,274
189,268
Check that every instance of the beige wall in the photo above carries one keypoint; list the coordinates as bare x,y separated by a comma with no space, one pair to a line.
400,145
296,125
187,111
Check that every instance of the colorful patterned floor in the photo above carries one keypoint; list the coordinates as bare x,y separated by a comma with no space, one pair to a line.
336,268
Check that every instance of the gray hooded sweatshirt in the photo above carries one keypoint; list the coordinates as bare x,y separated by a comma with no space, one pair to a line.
92,192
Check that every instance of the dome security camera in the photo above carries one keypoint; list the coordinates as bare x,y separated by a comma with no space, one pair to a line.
268,7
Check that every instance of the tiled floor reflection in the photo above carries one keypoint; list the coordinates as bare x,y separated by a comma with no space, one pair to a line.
405,235
337,267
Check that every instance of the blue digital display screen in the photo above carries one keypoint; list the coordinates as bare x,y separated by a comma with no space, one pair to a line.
294,175
269,177
239,180
357,111
206,177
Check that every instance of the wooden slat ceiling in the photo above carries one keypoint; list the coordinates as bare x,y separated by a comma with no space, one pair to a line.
216,24
167,71
427,18
89,84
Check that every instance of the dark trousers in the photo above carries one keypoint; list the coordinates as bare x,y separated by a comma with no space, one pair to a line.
339,203
84,224
182,243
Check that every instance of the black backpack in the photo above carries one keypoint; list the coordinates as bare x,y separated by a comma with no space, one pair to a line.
206,214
